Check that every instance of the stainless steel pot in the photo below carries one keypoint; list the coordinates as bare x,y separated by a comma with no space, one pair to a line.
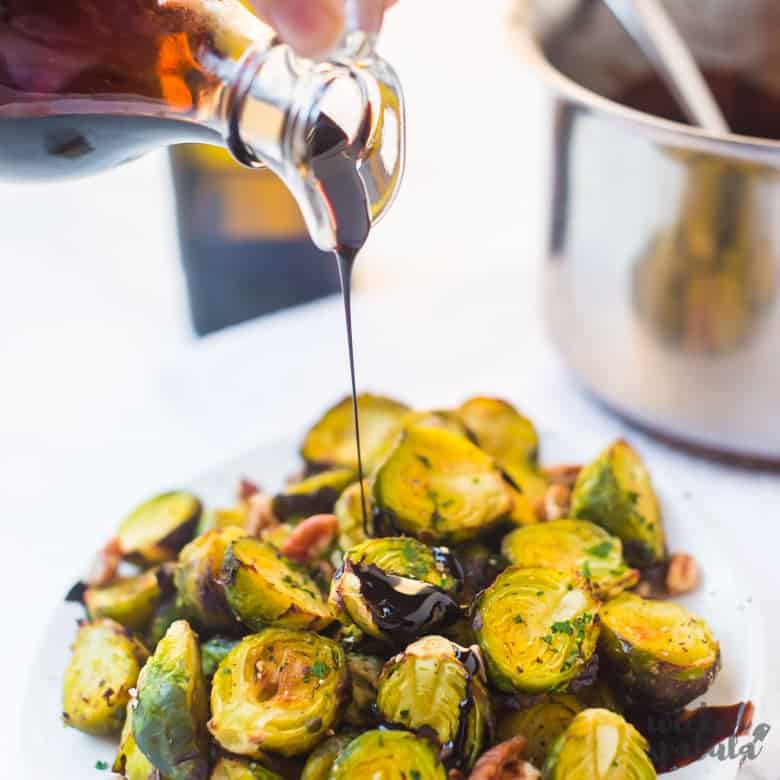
664,243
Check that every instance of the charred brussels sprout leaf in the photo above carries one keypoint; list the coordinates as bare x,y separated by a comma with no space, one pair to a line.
235,769
331,441
321,759
130,601
264,588
599,745
155,531
501,430
103,669
350,515
200,593
576,545
615,492
396,589
541,724
130,762
659,655
314,495
169,719
434,686
537,629
364,671
213,651
391,755
279,690
440,487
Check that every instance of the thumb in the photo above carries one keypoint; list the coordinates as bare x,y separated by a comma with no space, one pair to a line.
311,27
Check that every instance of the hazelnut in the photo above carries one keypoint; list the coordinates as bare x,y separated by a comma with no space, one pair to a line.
310,538
682,574
260,514
565,474
247,489
106,565
557,501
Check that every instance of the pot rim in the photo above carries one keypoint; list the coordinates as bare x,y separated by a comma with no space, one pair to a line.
664,131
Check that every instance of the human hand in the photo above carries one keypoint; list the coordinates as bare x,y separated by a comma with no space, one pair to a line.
314,27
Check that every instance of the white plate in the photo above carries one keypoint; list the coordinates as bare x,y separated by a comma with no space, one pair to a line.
56,753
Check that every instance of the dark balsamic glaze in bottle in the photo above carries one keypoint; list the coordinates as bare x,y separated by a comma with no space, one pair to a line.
334,164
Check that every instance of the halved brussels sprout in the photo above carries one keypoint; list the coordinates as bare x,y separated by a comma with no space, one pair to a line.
600,695
397,589
599,745
439,487
313,495
200,592
501,430
444,420
350,514
364,671
537,629
213,651
331,441
321,759
279,690
659,654
391,755
573,544
222,517
103,669
264,588
615,492
130,601
166,614
541,724
169,719
236,769
434,685
155,531
130,762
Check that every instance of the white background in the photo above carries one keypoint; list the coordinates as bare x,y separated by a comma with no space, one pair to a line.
105,396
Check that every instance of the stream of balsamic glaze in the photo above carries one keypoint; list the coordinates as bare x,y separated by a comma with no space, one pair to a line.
334,163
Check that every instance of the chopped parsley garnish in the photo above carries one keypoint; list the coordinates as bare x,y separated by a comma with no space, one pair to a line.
586,570
320,669
601,550
101,766
519,619
563,627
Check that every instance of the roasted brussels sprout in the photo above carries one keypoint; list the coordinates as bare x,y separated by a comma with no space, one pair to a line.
130,601
201,596
279,690
103,669
222,517
659,654
391,755
537,629
435,685
573,544
169,719
396,589
541,724
212,653
331,441
130,762
364,671
350,515
321,759
615,492
264,588
155,531
599,745
314,495
236,769
600,695
166,614
439,487
501,430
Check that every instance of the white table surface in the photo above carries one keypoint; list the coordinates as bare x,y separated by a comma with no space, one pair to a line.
106,397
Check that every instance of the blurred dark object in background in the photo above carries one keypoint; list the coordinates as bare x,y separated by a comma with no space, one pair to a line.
244,245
